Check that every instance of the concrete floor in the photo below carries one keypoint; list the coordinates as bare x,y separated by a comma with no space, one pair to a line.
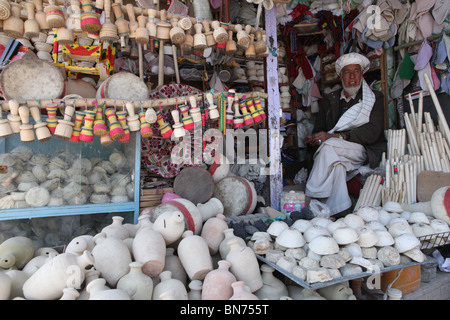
437,289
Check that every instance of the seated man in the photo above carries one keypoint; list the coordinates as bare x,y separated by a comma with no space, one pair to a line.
348,132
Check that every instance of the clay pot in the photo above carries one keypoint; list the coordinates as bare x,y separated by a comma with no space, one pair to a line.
217,283
149,248
136,284
173,264
224,246
170,225
244,265
195,292
213,232
5,286
112,258
16,252
99,291
168,284
18,278
49,281
210,208
81,243
273,287
240,292
194,255
116,229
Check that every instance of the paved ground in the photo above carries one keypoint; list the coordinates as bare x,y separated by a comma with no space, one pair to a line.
437,289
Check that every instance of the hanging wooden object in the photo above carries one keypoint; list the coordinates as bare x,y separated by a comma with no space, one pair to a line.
133,24
14,25
186,119
163,27
250,51
133,119
260,44
210,41
265,53
108,32
257,118
238,118
242,37
40,127
122,25
195,110
5,9
13,116
54,15
164,128
212,108
248,119
52,121
185,23
26,128
146,129
142,34
89,18
229,112
115,129
187,46
177,34
86,133
122,117
178,130
79,117
106,140
199,37
151,25
65,36
100,128
220,34
230,47
40,16
65,126
31,26
5,128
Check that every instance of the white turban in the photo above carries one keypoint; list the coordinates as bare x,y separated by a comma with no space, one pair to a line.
352,58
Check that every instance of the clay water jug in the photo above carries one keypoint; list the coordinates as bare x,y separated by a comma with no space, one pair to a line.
194,255
60,272
112,258
136,284
81,243
149,248
244,265
5,286
16,252
212,232
241,292
273,287
224,247
91,275
173,264
210,208
167,284
116,229
35,263
99,291
170,225
70,294
217,283
18,278
195,292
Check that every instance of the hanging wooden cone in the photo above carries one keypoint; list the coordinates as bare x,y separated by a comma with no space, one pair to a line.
122,117
213,112
122,25
65,36
257,118
106,140
164,128
178,130
210,41
31,26
13,116
265,53
142,34
220,34
177,34
150,115
230,102
100,128
86,133
250,51
90,22
40,127
195,110
163,27
258,105
79,117
199,38
260,44
132,23
54,15
133,119
188,45
230,47
115,129
40,16
146,129
242,37
5,9
52,121
5,128
248,119
238,118
186,119
14,25
26,128
108,32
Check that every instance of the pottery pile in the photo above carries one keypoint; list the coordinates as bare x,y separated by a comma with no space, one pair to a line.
38,180
322,249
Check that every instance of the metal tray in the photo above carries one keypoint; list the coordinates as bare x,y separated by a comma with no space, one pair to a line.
434,240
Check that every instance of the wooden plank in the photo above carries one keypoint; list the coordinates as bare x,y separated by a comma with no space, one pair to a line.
430,181
273,107
155,191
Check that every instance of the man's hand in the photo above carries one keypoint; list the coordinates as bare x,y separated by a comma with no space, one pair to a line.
317,138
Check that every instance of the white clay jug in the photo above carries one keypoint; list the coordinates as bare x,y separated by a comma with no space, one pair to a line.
5,286
70,294
18,278
173,264
149,248
210,209
116,228
224,247
34,264
242,292
112,258
194,255
99,291
60,272
244,265
217,283
195,292
136,284
91,275
16,252
273,288
167,284
170,225
81,243
212,232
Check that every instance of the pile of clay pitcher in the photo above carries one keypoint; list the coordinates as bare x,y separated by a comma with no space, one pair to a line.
324,249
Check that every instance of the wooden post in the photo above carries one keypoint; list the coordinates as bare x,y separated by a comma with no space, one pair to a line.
273,107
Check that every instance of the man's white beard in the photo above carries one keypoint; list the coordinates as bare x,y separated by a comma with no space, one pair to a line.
352,91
